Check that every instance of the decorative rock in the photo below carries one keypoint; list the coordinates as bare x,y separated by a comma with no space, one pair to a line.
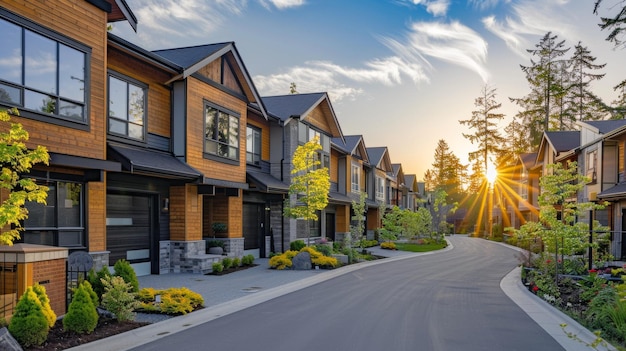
302,261
7,342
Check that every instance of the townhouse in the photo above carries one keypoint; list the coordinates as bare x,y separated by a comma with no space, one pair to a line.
151,151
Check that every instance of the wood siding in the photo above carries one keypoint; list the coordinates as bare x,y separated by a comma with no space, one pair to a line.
198,93
84,23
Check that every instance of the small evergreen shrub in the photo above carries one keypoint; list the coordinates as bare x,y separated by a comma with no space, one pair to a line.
218,267
119,299
94,279
236,262
297,245
227,262
123,269
29,325
92,294
247,260
280,262
324,249
40,291
318,259
81,317
172,300
388,245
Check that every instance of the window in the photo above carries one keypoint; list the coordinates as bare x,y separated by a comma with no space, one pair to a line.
592,159
380,189
127,107
253,145
221,136
60,221
356,178
42,72
524,184
306,133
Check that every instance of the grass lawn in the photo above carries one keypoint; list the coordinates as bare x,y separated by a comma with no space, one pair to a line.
420,248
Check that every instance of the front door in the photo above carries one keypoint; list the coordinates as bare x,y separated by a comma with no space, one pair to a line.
622,234
330,226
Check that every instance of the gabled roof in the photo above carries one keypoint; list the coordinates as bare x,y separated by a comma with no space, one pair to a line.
603,127
411,182
528,159
301,106
560,141
118,10
353,145
379,157
193,58
142,54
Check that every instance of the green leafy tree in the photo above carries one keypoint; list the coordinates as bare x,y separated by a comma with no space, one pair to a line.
357,227
440,209
310,184
392,226
16,160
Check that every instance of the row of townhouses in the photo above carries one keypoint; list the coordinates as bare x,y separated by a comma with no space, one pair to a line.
598,149
150,149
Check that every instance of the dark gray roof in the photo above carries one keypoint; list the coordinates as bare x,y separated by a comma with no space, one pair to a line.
150,162
564,140
608,125
396,168
350,144
189,56
528,159
285,106
616,192
375,154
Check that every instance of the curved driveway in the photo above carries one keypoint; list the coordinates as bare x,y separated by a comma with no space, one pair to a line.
446,301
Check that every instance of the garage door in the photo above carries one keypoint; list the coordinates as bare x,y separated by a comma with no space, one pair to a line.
128,230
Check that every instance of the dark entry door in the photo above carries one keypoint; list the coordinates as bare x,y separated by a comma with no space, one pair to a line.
330,226
622,234
129,230
253,228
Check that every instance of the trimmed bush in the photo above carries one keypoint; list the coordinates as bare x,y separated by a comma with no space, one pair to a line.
218,267
388,245
297,245
227,262
123,269
40,291
29,325
173,300
94,279
81,317
247,260
119,299
236,262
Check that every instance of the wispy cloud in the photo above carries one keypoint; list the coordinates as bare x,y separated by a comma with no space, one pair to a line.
434,7
282,4
451,42
529,19
487,4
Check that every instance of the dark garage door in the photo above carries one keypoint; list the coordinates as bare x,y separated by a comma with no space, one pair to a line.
128,230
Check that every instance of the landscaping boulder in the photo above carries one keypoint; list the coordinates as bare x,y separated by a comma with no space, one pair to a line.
302,261
7,342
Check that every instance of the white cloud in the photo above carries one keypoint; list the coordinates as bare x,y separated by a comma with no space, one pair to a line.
284,4
453,43
487,4
434,7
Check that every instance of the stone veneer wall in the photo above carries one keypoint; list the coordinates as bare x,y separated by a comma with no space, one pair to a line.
100,259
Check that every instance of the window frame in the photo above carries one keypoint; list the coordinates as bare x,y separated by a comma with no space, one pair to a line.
144,87
59,40
237,149
256,131
380,188
355,178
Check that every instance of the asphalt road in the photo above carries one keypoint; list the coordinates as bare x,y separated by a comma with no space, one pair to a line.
446,301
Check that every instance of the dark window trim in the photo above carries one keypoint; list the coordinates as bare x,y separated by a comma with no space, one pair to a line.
25,23
140,84
260,131
214,157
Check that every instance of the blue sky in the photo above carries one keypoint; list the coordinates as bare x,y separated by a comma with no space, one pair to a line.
402,73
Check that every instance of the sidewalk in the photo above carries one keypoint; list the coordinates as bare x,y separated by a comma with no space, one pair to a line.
230,293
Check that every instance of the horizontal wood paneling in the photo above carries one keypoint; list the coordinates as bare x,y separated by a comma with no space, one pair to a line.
198,92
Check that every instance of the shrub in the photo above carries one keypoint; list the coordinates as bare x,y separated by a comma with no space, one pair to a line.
218,267
318,259
40,291
91,292
227,262
280,262
94,279
29,325
123,269
388,245
173,300
81,317
324,249
297,245
247,260
119,299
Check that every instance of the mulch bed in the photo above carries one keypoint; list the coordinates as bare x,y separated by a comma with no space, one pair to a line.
232,270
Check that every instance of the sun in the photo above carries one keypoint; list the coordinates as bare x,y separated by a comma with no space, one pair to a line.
491,173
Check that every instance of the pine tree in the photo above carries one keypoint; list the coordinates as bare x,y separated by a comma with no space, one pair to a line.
484,122
448,171
584,102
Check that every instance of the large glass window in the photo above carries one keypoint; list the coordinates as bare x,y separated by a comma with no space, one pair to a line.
127,107
380,189
42,72
221,133
253,145
356,178
60,221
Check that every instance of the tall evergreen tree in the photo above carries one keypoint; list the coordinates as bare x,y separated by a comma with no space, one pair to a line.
616,25
583,100
448,171
484,123
618,106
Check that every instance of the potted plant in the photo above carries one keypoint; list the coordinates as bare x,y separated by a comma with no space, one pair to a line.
215,247
219,228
